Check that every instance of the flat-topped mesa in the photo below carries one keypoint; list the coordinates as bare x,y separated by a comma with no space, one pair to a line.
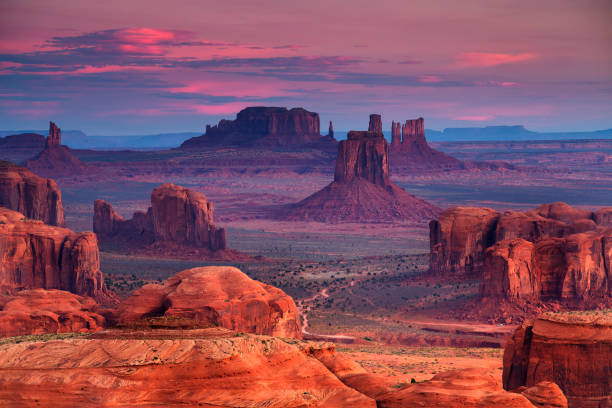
55,135
36,255
262,125
177,215
375,123
365,155
35,197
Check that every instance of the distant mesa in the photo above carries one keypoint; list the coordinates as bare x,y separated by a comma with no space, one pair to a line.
179,221
362,189
56,158
23,141
35,197
37,255
264,126
215,296
571,349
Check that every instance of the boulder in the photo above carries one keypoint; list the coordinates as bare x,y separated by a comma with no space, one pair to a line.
571,349
35,197
42,311
216,295
36,255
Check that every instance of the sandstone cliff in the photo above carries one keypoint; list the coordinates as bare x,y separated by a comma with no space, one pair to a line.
216,295
264,126
571,349
362,190
35,197
177,216
36,255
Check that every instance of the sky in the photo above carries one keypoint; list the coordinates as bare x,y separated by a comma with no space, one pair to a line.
147,66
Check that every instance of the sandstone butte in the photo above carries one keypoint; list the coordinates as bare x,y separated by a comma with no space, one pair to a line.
179,221
362,189
55,158
572,349
35,197
42,311
37,255
265,126
216,367
215,295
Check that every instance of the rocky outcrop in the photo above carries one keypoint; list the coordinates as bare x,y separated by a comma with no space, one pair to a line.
177,216
573,350
56,158
216,295
264,126
28,141
35,197
36,255
330,132
209,367
362,190
41,311
375,124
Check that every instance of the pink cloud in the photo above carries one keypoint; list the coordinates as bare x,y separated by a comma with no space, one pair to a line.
491,59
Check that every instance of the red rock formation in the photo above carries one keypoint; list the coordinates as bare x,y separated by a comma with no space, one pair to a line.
260,125
28,141
375,124
35,197
330,132
545,394
573,350
36,255
362,190
216,295
177,215
40,311
209,367
55,158
55,135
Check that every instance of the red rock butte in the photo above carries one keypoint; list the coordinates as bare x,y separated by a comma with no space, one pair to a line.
55,158
264,126
36,255
35,197
362,189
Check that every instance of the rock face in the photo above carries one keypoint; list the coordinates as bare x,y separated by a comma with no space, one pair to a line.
55,158
572,350
36,255
375,124
216,295
32,141
264,126
40,311
362,190
330,132
177,215
35,197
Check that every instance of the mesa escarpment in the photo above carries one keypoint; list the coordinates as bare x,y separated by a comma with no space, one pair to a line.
265,126
35,197
36,255
219,296
55,158
572,349
179,219
362,189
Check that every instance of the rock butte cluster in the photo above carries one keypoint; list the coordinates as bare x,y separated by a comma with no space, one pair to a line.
35,197
55,158
362,190
37,255
264,126
573,350
218,296
177,215
554,252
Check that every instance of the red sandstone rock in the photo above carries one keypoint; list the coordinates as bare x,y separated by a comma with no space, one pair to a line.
55,158
55,135
458,240
216,295
330,132
573,350
264,126
375,124
35,197
469,388
28,141
210,367
36,255
362,190
177,215
545,394
40,311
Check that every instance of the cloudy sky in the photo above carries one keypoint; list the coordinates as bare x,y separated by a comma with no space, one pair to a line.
136,67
